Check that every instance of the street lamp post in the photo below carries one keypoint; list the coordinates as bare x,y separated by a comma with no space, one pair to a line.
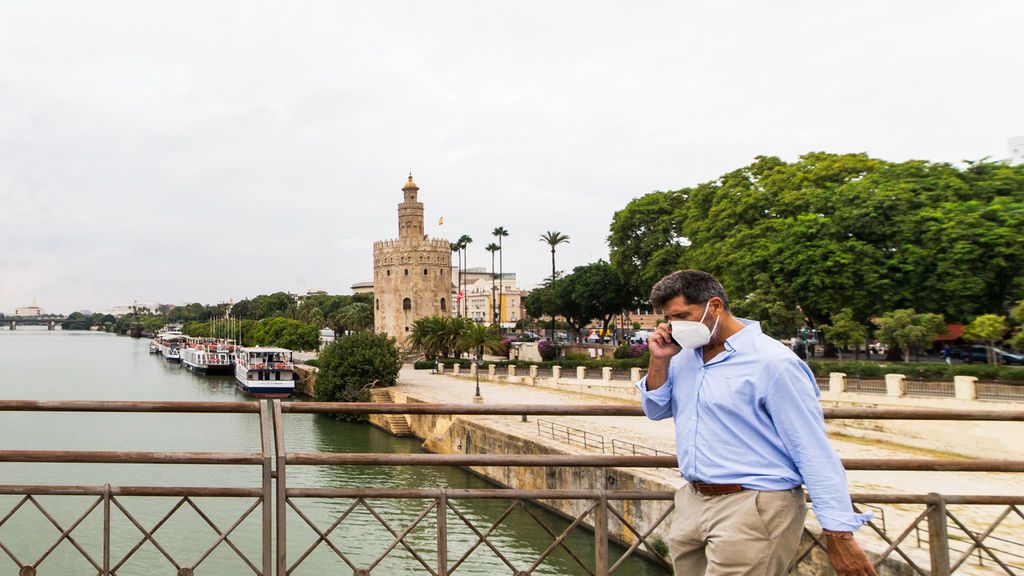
478,398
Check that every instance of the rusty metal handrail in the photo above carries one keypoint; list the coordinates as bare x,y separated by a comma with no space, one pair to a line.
361,408
274,459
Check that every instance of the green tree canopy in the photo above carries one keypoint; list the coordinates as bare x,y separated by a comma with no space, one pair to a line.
836,231
351,365
909,330
845,331
987,328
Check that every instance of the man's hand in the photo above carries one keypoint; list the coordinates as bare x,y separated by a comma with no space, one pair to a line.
847,557
660,343
662,349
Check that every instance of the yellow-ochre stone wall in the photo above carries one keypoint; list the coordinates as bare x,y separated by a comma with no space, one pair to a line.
412,275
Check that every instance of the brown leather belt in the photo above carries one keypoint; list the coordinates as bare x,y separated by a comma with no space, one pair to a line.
716,489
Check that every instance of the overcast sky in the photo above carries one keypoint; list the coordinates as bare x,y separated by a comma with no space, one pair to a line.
206,151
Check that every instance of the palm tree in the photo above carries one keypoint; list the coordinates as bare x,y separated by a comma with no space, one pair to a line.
553,239
357,316
492,248
464,242
480,337
500,232
456,247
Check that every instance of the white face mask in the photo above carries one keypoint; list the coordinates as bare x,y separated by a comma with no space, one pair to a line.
690,334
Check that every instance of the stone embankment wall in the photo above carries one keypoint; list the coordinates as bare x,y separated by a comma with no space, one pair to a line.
305,380
444,434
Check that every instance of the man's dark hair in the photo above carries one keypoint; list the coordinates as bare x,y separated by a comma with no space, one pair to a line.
696,286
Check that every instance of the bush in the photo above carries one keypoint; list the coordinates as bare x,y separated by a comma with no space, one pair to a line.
622,352
312,362
354,363
424,364
918,370
548,351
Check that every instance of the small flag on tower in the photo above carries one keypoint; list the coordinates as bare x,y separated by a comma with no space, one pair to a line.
440,222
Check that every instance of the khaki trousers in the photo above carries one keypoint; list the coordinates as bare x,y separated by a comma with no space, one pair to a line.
749,533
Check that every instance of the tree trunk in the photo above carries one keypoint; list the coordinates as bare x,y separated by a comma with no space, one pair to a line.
501,280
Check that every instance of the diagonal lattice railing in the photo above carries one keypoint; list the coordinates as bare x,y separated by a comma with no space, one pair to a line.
595,510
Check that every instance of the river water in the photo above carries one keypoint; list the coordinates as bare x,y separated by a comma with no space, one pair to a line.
39,364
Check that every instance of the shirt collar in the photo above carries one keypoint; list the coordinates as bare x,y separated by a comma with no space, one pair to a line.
751,329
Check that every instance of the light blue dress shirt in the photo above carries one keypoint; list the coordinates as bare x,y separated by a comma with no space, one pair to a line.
751,417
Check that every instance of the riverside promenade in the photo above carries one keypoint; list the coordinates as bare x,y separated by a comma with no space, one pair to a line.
426,386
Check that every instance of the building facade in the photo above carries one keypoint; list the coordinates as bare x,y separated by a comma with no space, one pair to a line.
412,275
482,295
28,311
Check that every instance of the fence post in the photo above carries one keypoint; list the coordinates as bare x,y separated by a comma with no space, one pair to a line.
533,370
456,368
896,385
938,539
511,370
472,369
442,533
106,530
601,536
492,371
837,382
556,373
440,367
280,458
966,387
606,373
581,372
634,374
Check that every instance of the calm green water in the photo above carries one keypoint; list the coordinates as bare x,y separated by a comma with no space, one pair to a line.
37,364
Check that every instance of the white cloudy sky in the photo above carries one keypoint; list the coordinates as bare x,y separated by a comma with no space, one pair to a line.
207,150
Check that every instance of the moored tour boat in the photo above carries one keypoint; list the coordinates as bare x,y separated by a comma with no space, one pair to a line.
266,372
169,344
208,355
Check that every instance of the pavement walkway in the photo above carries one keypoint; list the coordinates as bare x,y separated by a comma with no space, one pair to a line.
660,435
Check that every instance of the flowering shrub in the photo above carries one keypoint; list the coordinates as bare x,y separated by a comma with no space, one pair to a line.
548,350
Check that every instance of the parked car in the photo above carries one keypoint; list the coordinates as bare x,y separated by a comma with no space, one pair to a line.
979,353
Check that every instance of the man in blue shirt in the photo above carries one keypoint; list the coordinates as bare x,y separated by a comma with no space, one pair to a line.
749,433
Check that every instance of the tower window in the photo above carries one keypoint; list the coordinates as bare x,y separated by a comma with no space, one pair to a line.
389,272
406,304
406,271
424,271
378,304
444,305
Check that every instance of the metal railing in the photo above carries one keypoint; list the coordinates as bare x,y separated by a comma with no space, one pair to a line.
999,391
930,388
277,503
624,447
866,385
570,435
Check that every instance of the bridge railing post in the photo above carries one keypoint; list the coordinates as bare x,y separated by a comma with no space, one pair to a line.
282,495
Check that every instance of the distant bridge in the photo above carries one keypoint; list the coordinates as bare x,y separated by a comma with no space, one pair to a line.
48,320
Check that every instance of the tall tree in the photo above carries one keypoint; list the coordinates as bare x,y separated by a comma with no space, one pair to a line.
845,331
464,242
457,249
500,232
495,318
987,328
909,331
598,292
836,231
553,239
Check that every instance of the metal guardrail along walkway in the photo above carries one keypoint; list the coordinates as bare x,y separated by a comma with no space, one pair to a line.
601,509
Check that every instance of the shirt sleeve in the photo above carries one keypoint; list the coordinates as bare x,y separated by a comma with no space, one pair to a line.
792,403
657,404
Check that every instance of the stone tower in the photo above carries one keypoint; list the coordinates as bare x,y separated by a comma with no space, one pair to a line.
412,276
